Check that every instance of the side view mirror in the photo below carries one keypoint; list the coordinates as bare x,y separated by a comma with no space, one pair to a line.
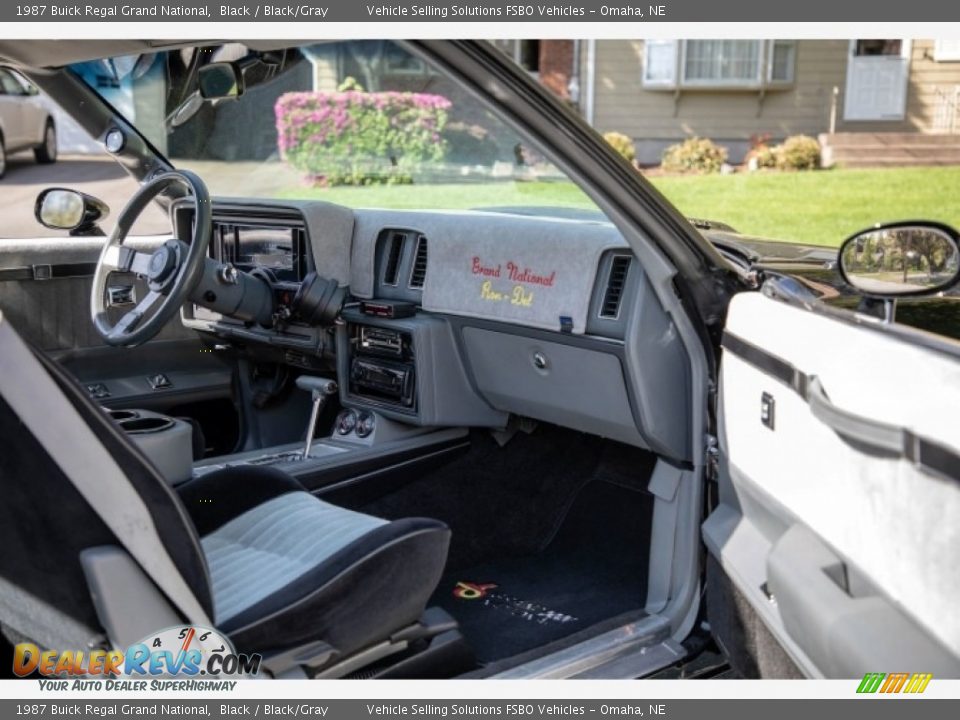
220,80
901,259
65,209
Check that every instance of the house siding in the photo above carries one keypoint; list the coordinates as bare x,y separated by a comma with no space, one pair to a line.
657,118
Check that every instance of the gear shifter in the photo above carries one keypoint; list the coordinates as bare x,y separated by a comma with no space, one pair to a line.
320,389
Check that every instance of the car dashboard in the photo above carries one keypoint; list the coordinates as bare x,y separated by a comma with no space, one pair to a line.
460,318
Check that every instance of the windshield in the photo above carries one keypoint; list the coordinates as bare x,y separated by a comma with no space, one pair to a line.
361,123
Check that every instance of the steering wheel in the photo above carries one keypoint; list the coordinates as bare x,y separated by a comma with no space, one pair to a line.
172,271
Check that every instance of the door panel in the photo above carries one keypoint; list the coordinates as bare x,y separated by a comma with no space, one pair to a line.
11,121
840,488
53,314
15,106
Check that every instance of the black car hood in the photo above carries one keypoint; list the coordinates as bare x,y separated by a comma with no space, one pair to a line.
768,251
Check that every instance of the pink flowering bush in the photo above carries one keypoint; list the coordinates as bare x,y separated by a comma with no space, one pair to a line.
360,138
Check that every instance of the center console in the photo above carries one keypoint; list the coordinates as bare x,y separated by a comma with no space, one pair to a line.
167,442
408,369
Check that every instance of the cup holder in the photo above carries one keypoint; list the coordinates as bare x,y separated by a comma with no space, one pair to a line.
140,425
121,415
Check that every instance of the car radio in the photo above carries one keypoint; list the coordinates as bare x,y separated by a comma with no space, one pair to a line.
381,365
379,379
380,341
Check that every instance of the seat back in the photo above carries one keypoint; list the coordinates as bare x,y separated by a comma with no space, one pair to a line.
45,522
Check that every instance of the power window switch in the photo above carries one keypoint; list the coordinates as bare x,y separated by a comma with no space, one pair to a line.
159,382
98,390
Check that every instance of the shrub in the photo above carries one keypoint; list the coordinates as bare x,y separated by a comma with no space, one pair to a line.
622,144
469,144
761,151
694,155
799,152
360,138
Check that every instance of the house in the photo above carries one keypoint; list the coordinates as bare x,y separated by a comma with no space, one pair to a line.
874,101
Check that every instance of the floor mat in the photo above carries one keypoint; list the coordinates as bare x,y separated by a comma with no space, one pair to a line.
486,496
595,568
509,501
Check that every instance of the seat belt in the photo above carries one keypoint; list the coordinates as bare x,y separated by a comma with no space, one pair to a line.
42,407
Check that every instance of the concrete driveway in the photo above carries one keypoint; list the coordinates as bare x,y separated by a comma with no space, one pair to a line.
100,177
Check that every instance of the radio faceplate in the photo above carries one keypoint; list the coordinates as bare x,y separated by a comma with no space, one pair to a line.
382,366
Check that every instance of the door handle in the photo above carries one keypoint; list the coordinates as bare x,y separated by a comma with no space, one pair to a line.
883,438
881,435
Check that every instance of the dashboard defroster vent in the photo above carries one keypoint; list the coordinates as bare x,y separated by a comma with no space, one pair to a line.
391,270
616,282
419,271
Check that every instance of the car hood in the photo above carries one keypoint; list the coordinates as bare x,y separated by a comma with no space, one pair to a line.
769,251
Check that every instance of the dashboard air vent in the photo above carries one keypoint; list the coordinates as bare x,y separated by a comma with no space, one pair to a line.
419,272
616,282
394,252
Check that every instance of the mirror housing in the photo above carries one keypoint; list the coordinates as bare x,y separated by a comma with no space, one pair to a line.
220,80
65,209
901,259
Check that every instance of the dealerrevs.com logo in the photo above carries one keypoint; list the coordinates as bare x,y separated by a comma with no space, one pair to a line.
164,661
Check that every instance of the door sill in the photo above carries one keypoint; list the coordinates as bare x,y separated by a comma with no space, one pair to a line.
630,651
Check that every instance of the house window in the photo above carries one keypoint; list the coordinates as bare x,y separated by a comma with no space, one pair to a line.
731,64
722,62
660,63
868,48
783,60
397,61
526,53
946,50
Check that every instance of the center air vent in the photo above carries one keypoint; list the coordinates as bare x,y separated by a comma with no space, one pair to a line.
616,282
419,271
391,270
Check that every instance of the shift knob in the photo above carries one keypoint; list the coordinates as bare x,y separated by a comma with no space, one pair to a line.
320,389
317,386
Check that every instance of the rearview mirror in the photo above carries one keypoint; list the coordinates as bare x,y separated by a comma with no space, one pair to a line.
220,80
65,209
901,259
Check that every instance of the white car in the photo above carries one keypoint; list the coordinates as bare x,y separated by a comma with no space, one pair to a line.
25,121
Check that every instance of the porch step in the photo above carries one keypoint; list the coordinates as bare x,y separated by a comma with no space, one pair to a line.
879,138
889,163
889,149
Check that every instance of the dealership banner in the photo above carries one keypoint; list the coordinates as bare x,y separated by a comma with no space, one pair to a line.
533,709
354,11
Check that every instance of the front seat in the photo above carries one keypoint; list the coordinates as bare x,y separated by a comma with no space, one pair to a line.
269,564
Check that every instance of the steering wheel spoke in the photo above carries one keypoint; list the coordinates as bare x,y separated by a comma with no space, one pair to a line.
120,258
172,271
132,318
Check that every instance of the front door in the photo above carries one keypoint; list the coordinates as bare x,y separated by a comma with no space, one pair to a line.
835,532
13,111
877,73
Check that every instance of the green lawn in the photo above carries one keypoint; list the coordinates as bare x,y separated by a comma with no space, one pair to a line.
449,196
820,207
814,207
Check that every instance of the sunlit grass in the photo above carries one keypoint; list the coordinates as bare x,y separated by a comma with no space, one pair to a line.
820,207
